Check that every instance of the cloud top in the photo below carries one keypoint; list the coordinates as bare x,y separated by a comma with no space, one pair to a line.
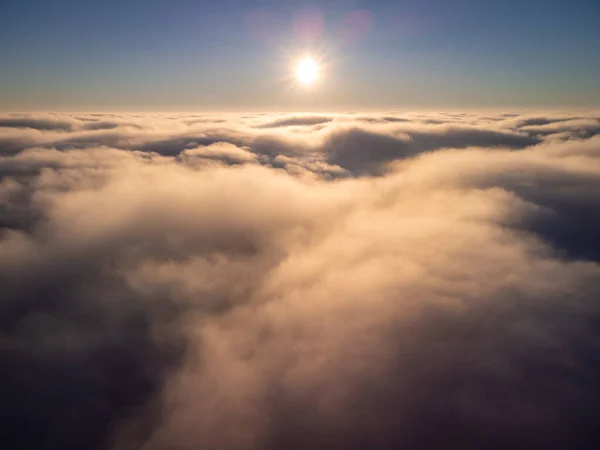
413,280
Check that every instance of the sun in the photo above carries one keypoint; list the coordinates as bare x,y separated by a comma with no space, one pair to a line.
307,71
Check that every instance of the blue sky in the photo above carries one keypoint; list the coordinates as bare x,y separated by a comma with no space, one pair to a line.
233,54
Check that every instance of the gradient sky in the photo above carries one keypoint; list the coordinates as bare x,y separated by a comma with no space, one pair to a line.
233,54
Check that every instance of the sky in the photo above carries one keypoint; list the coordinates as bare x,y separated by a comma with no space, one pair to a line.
185,55
278,224
267,225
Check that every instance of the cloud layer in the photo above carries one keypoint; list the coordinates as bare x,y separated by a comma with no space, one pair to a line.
350,281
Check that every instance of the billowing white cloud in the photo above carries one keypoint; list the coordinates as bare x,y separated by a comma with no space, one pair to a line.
424,281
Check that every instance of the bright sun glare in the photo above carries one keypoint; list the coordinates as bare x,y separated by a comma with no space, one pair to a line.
307,71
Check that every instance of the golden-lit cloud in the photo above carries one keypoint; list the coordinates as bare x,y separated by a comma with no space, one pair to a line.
348,281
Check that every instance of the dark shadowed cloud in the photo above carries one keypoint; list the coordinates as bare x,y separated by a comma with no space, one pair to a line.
296,121
360,150
41,122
